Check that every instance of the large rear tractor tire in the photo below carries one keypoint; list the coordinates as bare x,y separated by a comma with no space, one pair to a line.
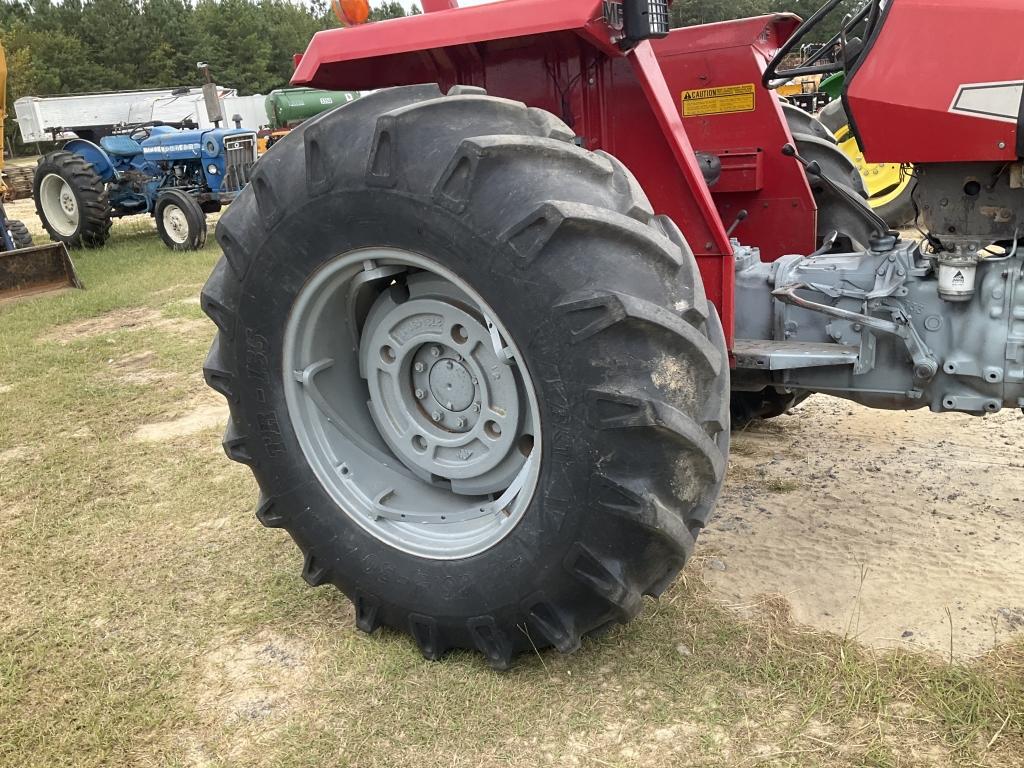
890,188
814,143
71,200
477,379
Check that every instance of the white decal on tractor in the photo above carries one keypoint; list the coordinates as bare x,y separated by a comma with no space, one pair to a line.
169,148
990,101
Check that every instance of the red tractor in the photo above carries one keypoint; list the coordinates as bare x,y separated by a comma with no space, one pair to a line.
480,331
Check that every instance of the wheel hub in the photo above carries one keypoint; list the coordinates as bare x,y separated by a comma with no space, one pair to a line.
411,403
451,384
441,397
175,223
67,201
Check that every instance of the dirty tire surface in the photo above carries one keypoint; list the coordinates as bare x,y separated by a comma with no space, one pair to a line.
90,194
602,297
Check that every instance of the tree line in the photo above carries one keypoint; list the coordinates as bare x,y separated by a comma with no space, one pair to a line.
75,46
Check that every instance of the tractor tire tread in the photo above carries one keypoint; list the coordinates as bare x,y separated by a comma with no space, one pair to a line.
90,192
19,233
405,144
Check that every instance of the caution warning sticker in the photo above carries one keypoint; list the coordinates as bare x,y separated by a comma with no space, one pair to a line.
719,101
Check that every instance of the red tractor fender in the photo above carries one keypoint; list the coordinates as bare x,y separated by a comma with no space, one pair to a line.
556,56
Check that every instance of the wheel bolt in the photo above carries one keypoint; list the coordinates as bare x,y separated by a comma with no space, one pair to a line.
460,422
420,394
436,415
435,351
476,407
419,367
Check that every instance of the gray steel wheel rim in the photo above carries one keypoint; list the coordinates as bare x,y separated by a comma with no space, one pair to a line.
59,204
175,223
411,403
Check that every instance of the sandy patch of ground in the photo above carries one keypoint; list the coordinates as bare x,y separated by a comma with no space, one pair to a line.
178,288
247,687
17,453
875,524
140,368
135,319
208,411
250,680
5,388
10,515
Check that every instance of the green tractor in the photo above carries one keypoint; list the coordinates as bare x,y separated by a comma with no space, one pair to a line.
890,186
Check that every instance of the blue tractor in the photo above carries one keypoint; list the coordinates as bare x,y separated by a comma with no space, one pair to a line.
175,175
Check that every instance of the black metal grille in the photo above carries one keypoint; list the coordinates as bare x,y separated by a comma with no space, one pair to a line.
657,12
240,156
644,19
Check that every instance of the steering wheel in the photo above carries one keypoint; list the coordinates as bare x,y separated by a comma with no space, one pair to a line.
869,13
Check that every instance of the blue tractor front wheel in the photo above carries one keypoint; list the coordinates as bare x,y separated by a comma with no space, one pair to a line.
180,220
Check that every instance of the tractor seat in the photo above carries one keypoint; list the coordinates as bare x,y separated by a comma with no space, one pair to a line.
121,146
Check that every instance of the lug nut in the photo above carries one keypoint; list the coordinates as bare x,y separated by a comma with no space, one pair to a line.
460,422
419,367
420,394
476,407
436,415
435,351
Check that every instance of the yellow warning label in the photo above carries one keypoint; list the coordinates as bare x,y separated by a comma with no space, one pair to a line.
719,101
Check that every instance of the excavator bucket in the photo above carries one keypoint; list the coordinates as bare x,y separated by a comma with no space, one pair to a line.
36,270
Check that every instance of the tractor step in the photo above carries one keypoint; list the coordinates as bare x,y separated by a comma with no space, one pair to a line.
36,270
787,355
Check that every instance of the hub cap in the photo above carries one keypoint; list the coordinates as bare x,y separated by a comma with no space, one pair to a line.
59,205
175,224
411,403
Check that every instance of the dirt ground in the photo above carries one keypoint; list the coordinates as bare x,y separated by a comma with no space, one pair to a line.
896,529
148,620
874,524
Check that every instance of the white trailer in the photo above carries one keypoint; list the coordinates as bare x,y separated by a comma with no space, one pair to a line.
91,115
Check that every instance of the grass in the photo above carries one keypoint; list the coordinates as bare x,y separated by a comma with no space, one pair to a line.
147,620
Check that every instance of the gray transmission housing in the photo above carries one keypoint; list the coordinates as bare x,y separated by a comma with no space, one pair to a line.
872,327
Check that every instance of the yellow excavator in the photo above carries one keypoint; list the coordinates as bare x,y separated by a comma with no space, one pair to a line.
27,269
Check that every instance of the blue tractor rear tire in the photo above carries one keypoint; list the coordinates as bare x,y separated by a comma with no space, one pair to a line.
71,200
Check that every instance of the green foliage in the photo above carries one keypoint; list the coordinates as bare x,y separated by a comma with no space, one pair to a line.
686,13
389,10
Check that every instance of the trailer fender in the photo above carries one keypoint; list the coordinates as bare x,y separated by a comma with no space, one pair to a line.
94,155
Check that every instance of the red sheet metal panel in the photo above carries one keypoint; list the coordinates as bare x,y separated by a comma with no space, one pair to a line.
942,82
740,121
